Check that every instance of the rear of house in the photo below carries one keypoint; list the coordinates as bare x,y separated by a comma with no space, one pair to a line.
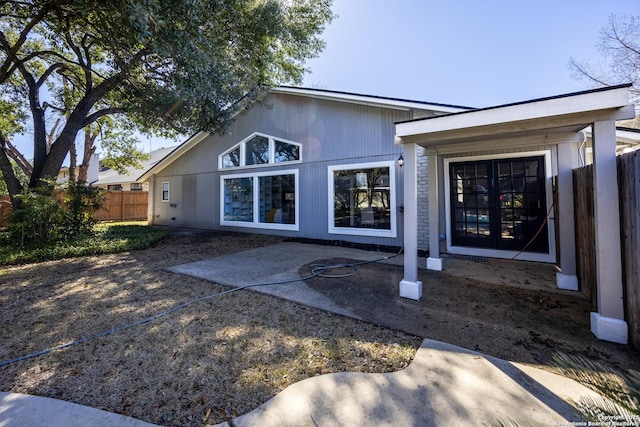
306,163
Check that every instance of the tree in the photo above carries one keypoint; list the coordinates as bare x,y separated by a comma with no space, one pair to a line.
161,66
620,47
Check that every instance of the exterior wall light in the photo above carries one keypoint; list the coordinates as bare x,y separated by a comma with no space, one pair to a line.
401,161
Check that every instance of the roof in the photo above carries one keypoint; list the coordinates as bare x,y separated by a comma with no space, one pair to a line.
567,113
110,176
524,103
372,100
352,98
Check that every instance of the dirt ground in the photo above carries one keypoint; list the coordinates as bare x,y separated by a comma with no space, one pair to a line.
508,309
223,357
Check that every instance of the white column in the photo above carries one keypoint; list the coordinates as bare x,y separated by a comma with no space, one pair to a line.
410,286
434,262
567,160
608,323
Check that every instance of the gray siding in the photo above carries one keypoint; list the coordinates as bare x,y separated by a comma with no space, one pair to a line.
331,133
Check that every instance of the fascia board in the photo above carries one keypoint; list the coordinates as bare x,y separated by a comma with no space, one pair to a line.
598,101
403,105
174,155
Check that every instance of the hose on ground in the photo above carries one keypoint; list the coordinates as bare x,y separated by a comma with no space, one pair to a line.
317,270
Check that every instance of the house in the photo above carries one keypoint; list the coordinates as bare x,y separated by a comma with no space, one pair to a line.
92,172
329,165
111,179
305,163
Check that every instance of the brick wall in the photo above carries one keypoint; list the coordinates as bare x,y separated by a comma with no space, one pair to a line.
423,202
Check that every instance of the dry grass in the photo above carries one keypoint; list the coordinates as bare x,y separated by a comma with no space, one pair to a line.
201,365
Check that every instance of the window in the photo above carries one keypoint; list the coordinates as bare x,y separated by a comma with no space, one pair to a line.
362,199
165,191
260,200
259,150
136,186
114,187
256,151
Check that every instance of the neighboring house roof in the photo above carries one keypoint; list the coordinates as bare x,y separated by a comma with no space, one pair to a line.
352,98
110,176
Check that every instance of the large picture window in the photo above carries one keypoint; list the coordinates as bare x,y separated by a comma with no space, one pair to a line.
362,199
259,150
260,200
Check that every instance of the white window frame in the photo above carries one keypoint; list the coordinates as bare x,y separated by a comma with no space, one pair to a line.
168,191
256,201
271,162
392,232
499,253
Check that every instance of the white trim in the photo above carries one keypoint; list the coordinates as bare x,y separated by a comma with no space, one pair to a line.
271,162
435,264
173,155
609,329
580,103
332,229
256,201
168,191
411,290
495,253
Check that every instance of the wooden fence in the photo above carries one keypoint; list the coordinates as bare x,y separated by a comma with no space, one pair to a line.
124,206
118,206
629,187
629,184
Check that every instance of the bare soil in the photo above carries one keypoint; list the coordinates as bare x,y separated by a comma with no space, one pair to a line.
505,309
223,357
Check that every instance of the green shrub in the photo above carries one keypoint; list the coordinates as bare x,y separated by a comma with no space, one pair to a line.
45,218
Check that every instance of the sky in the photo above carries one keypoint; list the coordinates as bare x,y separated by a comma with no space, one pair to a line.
475,53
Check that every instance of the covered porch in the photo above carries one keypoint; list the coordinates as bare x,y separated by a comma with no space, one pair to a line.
545,134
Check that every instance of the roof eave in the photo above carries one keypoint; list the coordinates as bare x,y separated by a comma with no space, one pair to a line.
370,100
172,156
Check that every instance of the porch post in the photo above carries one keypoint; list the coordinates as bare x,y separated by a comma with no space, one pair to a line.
567,159
410,286
608,323
434,262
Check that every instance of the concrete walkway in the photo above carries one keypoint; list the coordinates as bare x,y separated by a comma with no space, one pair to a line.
445,385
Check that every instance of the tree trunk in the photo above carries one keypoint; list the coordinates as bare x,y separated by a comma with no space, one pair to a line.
13,184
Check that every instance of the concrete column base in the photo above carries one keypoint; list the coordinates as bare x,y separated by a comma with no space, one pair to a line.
435,264
609,329
411,290
567,281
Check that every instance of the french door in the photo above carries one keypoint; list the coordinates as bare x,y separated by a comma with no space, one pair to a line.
499,204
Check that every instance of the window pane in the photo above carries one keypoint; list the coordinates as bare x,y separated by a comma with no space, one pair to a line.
165,191
285,152
362,198
277,199
238,199
257,151
231,159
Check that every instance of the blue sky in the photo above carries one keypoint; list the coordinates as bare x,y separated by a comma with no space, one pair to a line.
464,52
